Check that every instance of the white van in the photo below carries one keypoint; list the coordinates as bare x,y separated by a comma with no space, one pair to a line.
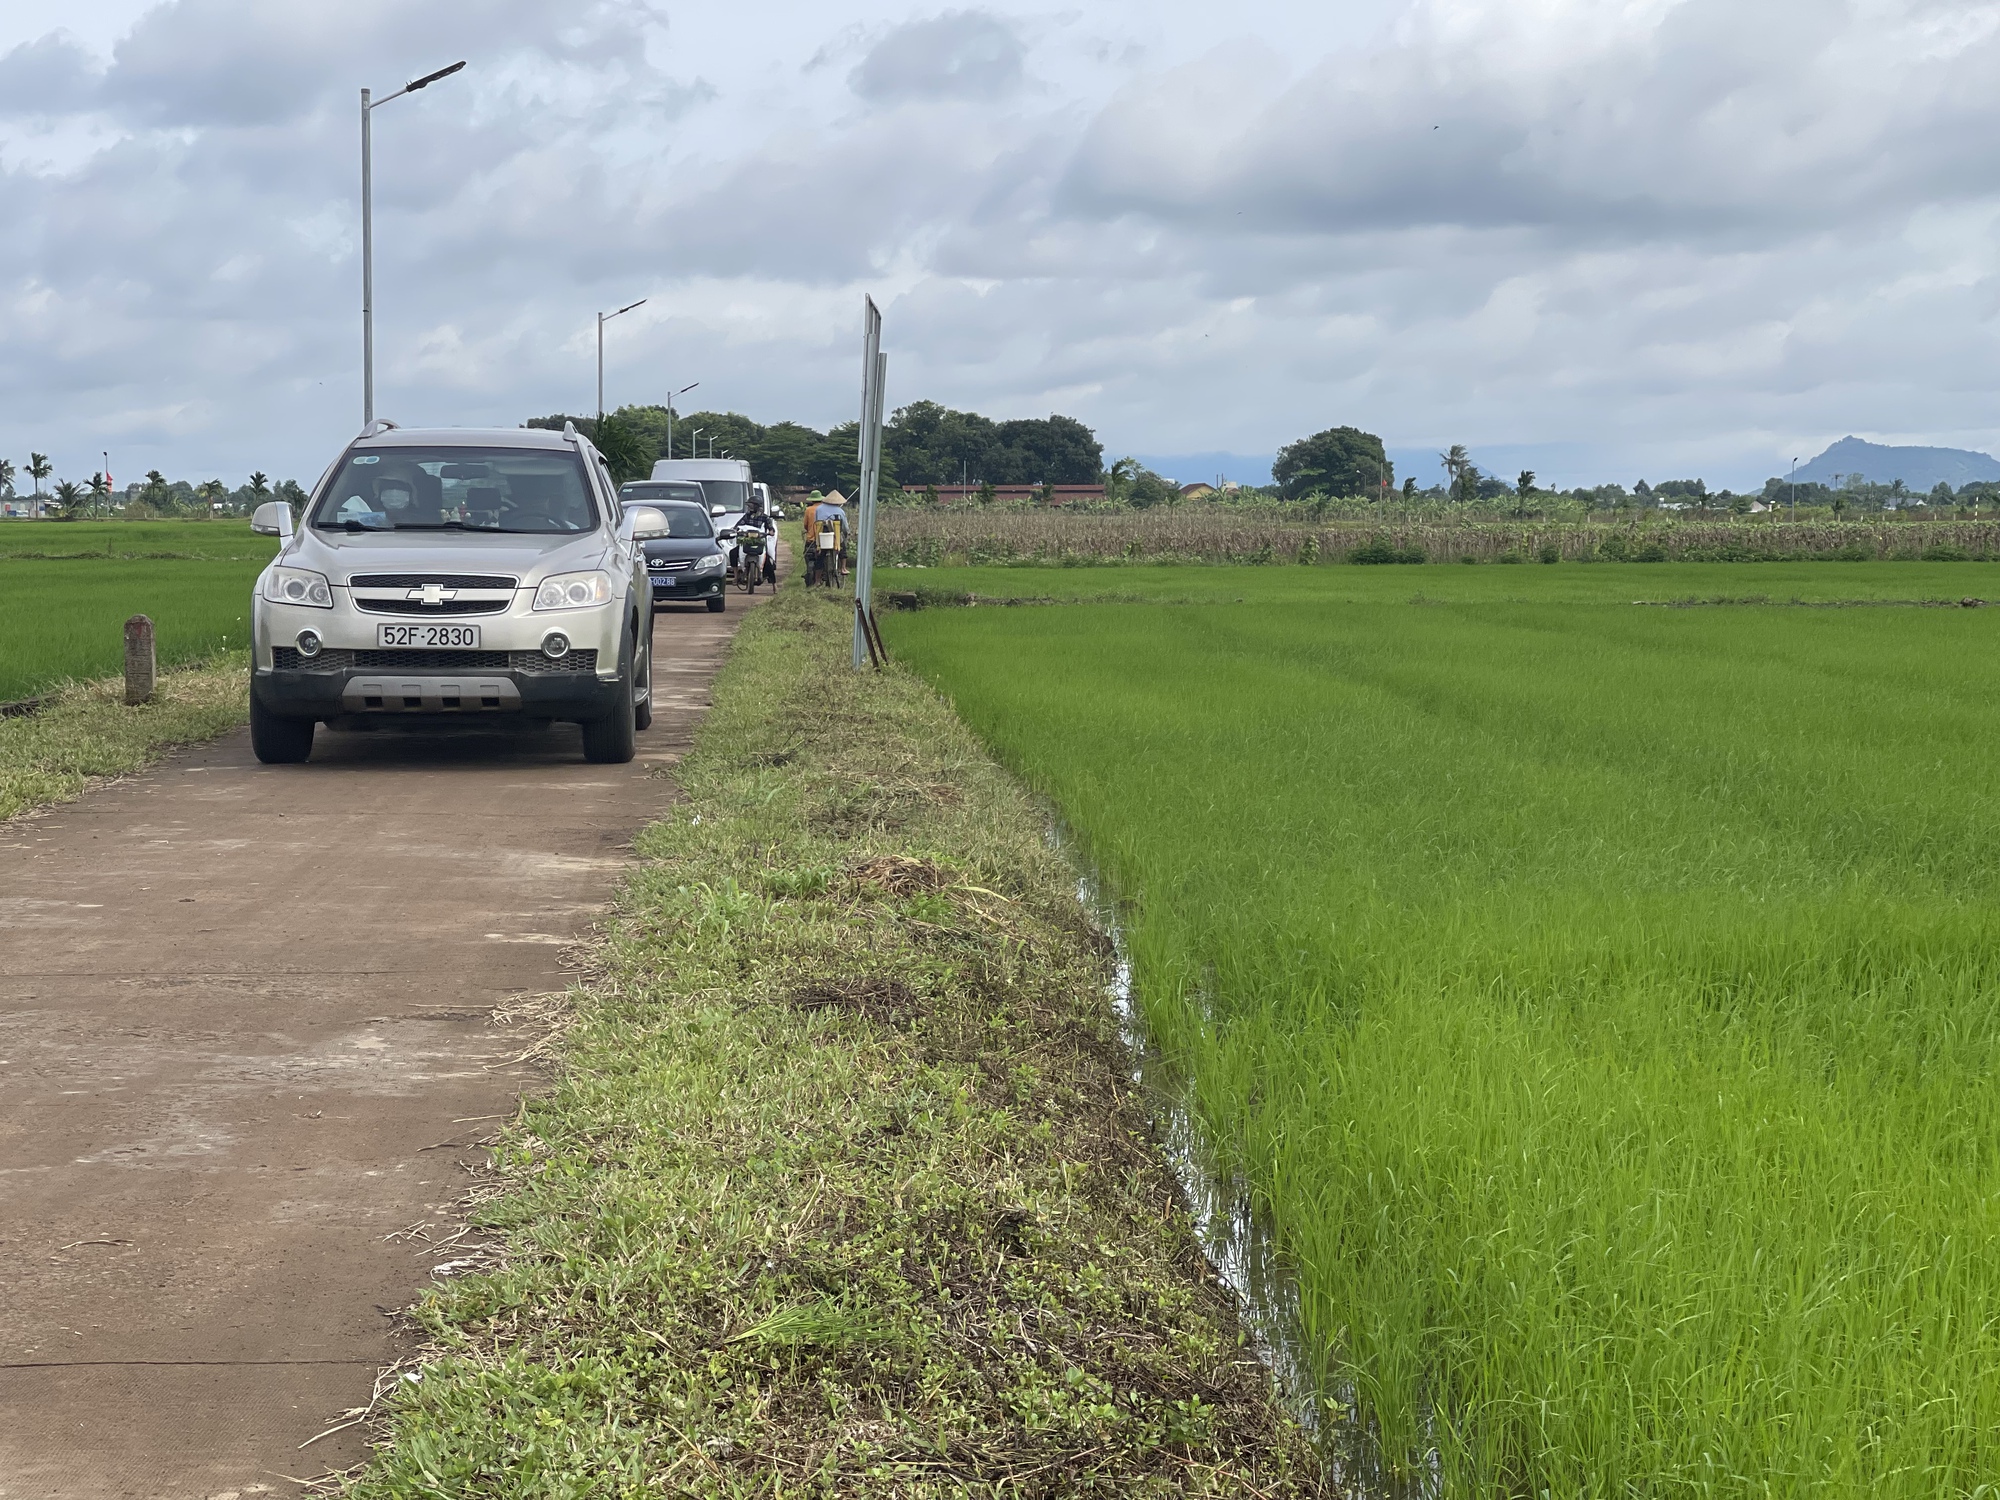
724,481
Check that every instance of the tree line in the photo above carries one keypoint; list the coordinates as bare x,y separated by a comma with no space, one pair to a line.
154,497
924,444
1347,464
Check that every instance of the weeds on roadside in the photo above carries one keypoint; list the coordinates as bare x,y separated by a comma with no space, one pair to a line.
88,730
840,1190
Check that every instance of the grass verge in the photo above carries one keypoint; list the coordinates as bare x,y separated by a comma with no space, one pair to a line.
88,731
841,1188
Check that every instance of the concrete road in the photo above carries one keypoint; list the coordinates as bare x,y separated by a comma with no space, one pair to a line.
246,1036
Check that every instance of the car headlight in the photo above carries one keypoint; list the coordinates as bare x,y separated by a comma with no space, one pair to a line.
709,564
297,586
573,591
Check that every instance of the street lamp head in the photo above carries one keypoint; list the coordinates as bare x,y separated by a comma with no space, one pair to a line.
430,78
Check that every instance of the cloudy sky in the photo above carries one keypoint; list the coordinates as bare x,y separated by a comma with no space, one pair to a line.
1603,238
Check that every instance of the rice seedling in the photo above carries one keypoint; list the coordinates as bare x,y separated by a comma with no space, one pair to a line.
158,539
1604,583
64,620
1601,1003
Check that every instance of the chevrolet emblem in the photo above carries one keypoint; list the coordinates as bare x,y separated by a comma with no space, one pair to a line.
433,594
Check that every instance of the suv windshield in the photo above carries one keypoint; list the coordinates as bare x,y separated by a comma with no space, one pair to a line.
678,489
684,522
474,489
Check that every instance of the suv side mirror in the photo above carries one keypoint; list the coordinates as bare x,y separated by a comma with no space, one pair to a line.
645,522
273,518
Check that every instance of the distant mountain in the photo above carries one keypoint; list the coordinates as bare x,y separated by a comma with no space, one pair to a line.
1919,468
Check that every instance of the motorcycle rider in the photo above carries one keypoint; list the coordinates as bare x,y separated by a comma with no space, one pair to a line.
754,519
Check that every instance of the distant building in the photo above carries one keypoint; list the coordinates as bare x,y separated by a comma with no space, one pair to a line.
1197,491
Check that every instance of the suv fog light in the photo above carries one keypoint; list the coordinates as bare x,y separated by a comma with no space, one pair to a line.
309,643
555,645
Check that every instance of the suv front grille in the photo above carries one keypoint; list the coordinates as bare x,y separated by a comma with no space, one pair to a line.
442,607
418,580
287,659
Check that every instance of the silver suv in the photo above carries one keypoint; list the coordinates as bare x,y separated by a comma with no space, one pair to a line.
455,574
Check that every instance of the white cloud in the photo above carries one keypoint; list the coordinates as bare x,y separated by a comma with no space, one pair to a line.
1668,235
962,54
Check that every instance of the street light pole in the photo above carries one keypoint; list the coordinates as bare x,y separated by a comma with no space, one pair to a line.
367,263
602,319
671,397
368,107
694,438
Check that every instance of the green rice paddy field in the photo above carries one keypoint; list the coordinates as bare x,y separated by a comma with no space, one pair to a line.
67,588
1602,1003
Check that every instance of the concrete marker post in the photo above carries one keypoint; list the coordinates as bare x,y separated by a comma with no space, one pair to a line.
140,663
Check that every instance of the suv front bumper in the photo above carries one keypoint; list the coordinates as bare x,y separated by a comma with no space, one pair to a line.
334,684
686,587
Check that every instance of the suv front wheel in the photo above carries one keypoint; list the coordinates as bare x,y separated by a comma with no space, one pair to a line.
613,739
277,739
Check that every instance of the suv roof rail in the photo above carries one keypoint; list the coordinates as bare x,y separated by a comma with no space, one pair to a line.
378,425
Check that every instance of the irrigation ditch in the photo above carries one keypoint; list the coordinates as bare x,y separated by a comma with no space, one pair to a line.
1237,1237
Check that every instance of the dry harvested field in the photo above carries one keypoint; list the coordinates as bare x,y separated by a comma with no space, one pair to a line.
1214,533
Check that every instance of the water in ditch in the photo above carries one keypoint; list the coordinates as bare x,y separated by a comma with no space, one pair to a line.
1244,1252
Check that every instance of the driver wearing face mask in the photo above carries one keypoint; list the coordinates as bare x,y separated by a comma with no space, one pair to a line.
394,494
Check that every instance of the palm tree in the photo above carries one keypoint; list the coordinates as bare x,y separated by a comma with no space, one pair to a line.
1118,478
1456,462
39,466
6,476
210,491
68,493
260,486
100,493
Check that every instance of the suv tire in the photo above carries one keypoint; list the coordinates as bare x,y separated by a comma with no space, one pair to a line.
612,740
278,739
642,713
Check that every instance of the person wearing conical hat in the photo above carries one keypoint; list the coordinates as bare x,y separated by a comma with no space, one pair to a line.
825,517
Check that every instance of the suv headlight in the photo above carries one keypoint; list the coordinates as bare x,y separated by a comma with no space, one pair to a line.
573,591
709,564
297,586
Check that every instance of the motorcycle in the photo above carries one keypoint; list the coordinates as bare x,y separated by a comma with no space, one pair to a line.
752,560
